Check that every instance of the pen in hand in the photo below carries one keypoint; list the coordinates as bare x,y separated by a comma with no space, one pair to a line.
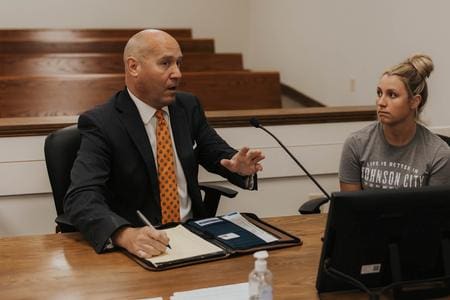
147,222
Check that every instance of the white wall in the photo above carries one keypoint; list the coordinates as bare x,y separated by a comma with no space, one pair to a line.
317,45
225,21
320,45
26,205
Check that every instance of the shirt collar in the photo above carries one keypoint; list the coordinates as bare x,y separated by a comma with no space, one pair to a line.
145,111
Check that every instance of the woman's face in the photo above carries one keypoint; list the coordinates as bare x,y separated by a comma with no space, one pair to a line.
394,105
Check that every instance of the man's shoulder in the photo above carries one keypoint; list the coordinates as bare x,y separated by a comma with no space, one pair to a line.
185,98
186,101
106,107
105,113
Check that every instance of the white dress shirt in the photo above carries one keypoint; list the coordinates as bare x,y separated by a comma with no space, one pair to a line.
147,114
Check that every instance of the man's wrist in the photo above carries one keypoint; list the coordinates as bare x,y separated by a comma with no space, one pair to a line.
111,242
118,238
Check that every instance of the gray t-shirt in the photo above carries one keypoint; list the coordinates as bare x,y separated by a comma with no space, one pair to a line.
367,158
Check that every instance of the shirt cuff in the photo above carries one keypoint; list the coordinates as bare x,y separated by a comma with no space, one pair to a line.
250,182
109,245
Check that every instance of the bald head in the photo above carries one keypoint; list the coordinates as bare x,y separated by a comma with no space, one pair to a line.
144,42
152,61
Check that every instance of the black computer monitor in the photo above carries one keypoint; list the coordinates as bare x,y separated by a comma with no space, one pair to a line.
388,238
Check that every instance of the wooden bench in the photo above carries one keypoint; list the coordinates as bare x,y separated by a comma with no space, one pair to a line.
88,63
32,96
64,34
94,45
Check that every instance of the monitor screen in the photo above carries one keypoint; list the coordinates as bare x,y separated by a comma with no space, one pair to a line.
381,237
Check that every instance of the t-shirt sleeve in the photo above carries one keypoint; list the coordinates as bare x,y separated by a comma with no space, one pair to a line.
440,170
350,166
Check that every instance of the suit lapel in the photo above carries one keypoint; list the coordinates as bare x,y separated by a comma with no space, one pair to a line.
131,119
182,139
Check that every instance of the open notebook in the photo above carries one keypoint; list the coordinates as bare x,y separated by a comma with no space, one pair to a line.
198,241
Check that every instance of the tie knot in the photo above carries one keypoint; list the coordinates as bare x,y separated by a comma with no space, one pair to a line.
159,114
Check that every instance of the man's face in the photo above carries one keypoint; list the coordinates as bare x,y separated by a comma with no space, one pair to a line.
158,73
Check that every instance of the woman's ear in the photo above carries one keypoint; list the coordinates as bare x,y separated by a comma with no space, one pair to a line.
415,102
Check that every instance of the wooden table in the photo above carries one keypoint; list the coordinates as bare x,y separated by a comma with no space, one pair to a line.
64,266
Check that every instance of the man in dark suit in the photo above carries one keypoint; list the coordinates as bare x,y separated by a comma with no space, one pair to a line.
117,171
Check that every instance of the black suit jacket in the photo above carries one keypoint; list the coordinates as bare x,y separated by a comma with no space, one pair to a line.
115,174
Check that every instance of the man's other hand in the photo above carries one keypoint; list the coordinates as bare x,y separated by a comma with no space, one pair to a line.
245,162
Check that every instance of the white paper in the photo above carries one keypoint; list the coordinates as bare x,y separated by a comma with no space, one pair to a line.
184,244
237,291
239,220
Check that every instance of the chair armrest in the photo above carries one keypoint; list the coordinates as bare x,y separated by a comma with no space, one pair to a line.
312,206
212,196
221,190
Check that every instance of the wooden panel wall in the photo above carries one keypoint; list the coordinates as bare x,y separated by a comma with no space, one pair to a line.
65,72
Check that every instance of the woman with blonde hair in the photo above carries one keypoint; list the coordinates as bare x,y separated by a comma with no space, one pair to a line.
396,151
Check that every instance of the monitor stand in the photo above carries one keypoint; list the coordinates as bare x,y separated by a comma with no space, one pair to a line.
425,289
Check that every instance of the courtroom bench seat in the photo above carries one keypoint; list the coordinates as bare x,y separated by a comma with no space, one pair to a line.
31,96
99,45
65,33
88,63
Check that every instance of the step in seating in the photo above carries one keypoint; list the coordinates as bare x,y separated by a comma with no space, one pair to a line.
33,96
89,63
94,45
66,34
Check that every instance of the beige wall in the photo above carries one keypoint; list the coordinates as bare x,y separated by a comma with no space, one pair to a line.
319,46
225,21
26,205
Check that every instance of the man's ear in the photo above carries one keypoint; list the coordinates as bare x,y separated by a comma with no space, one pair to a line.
132,66
415,102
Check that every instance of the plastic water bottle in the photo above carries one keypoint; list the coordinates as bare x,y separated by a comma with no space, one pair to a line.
260,279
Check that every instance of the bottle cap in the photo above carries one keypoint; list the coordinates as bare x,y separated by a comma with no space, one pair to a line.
261,254
260,262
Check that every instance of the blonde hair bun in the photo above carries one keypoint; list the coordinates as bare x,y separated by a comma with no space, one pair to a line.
422,63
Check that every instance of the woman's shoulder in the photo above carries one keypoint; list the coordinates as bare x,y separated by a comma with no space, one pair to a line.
430,137
365,133
432,140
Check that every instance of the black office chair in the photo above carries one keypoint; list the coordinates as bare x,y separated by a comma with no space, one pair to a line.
313,206
61,149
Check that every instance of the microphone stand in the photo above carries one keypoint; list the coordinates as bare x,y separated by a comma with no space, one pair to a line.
312,206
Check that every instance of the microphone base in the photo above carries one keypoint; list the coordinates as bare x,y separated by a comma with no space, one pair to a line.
312,206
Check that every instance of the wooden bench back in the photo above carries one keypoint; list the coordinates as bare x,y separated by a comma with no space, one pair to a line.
89,63
66,34
92,45
32,96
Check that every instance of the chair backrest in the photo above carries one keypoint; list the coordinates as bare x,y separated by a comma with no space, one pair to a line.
445,138
61,149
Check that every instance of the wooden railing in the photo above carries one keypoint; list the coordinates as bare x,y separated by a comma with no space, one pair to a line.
235,118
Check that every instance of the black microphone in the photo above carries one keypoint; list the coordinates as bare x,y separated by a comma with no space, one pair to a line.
309,207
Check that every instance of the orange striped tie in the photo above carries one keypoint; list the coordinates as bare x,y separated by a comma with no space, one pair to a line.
168,191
